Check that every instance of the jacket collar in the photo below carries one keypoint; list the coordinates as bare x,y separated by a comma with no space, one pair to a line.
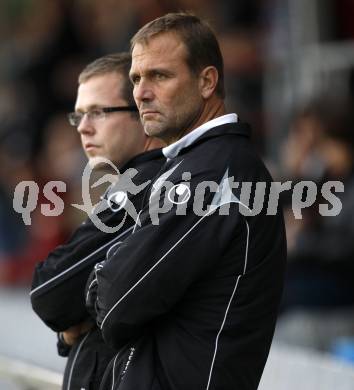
150,155
173,150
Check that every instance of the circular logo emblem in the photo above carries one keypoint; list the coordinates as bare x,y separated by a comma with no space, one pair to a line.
117,200
181,192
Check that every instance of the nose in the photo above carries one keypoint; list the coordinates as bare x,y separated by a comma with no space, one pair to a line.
143,92
85,126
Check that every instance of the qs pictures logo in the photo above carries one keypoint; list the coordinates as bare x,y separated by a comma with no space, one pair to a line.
116,198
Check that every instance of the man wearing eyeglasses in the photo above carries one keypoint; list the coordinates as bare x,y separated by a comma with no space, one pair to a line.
108,123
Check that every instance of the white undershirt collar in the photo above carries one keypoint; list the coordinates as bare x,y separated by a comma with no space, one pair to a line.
171,151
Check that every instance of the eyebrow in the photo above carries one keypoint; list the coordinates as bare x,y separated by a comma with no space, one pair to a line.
152,72
160,70
91,107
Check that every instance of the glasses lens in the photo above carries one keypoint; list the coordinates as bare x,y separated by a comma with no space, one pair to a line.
96,115
74,118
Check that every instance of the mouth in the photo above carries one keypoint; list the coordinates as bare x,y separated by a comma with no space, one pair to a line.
148,116
89,147
149,112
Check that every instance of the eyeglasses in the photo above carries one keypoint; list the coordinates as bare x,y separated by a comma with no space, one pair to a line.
97,114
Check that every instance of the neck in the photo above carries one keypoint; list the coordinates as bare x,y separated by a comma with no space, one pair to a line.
213,108
152,143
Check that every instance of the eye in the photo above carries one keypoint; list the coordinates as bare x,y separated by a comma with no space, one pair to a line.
160,76
96,113
135,79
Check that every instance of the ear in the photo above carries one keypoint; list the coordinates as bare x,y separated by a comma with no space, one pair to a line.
208,80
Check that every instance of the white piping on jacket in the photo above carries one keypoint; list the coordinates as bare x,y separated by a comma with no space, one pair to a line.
228,306
114,366
74,360
152,268
212,209
78,263
137,222
89,288
108,254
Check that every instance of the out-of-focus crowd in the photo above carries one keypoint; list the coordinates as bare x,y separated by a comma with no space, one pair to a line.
45,44
43,47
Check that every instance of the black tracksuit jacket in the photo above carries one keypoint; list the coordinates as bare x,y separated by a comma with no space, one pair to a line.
190,299
58,286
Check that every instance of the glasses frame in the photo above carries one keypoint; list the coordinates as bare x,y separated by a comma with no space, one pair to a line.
75,118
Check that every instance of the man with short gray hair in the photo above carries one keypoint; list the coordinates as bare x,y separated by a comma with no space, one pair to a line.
190,299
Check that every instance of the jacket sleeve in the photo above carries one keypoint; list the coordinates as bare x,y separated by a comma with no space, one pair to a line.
57,294
153,268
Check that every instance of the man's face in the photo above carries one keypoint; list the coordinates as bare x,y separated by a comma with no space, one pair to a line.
165,90
119,136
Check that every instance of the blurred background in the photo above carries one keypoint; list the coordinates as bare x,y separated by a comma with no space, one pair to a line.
289,72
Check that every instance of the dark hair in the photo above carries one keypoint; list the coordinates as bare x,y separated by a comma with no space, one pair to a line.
112,63
202,46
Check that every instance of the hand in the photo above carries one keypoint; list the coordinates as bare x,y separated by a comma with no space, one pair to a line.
72,334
